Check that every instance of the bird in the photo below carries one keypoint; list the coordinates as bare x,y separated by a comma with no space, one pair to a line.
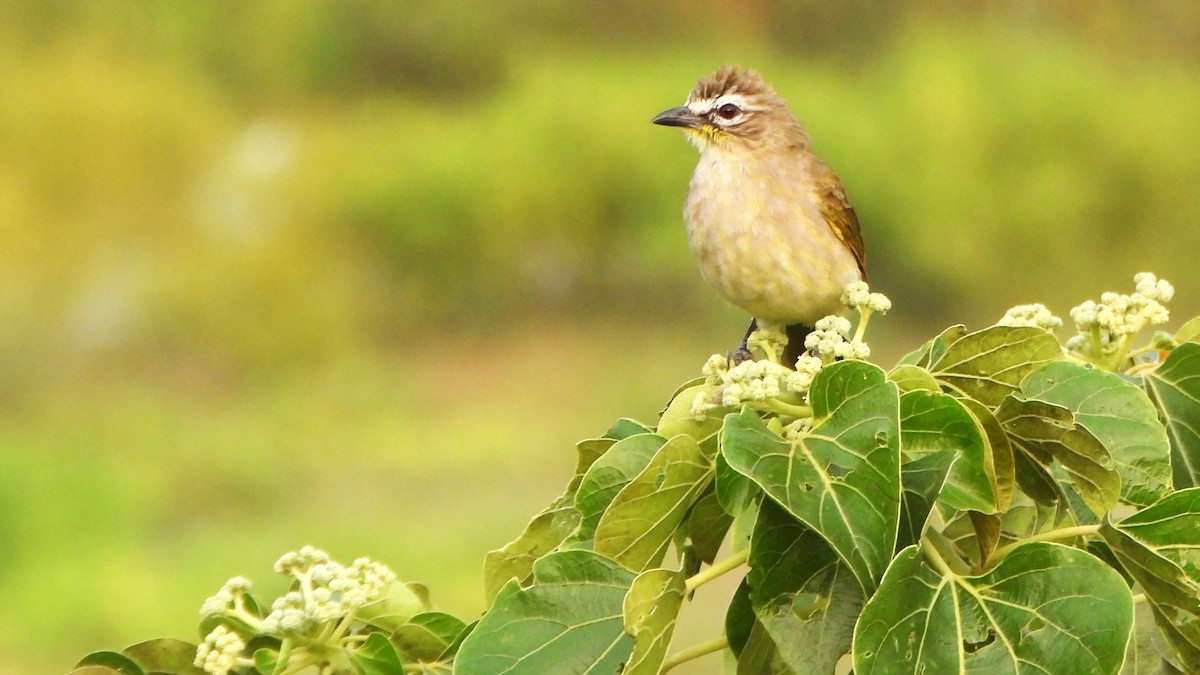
768,221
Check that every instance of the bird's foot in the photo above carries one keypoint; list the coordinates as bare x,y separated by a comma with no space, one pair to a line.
742,353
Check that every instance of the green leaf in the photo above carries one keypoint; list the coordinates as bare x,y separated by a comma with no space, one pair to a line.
587,452
707,524
569,620
113,661
265,660
1046,608
542,535
624,428
999,462
1026,518
427,635
735,492
553,525
784,556
638,524
1189,331
760,656
1120,415
989,364
842,477
932,351
802,594
1175,387
605,478
452,650
678,418
1172,523
377,656
1142,657
987,532
165,655
913,378
1043,431
651,608
1175,647
932,422
922,480
739,618
1036,480
400,602
1159,547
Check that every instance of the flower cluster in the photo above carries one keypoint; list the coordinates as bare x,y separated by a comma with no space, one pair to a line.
831,341
321,605
778,386
327,590
221,652
1035,315
232,596
858,297
769,341
731,385
1106,327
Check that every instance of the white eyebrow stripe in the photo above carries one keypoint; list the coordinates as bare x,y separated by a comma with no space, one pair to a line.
706,105
738,100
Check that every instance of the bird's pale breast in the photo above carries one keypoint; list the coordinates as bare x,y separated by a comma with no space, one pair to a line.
757,231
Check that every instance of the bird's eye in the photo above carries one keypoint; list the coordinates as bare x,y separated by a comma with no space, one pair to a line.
729,111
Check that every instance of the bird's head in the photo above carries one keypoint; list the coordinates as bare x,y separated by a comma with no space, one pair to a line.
734,108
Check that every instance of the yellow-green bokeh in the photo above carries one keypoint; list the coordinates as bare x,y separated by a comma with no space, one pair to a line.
358,274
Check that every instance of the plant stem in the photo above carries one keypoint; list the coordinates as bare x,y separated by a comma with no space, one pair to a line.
343,626
1134,353
1073,358
240,613
798,411
1142,368
864,315
693,652
1052,535
1119,354
326,632
285,654
308,661
716,570
1096,344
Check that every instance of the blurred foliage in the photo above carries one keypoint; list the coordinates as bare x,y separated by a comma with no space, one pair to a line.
211,211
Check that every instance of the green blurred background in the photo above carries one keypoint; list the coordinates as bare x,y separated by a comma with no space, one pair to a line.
359,274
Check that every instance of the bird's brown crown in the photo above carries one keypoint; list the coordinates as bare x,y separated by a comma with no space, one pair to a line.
732,80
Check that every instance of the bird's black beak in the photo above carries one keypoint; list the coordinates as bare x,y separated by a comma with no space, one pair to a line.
678,117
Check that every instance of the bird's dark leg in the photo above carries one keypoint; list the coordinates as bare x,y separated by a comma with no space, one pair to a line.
742,353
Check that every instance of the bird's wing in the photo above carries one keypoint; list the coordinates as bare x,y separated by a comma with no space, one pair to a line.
841,218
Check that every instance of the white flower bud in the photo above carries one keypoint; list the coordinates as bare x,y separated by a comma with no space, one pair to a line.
835,324
856,295
1035,315
731,395
879,303
220,651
